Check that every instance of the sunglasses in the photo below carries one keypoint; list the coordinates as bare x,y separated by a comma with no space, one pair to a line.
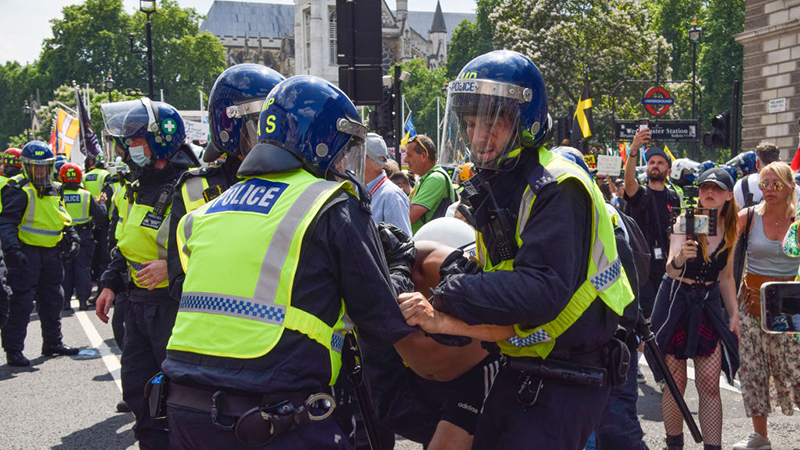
416,139
771,185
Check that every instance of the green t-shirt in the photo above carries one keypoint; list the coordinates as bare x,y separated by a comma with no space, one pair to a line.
430,190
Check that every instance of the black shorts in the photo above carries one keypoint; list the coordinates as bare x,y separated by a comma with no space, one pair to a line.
461,399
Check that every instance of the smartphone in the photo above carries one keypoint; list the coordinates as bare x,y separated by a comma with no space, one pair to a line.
644,124
700,224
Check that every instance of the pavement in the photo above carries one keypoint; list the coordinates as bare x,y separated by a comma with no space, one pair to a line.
70,402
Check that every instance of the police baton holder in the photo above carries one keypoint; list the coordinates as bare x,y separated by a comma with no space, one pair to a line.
645,333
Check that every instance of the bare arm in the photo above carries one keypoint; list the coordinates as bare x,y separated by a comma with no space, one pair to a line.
415,212
418,311
631,185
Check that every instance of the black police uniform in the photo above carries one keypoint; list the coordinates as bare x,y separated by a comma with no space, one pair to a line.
78,271
102,251
548,268
219,179
40,278
121,298
148,323
327,271
5,291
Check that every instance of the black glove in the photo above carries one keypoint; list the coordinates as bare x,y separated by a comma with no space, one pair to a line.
15,257
71,252
398,248
457,263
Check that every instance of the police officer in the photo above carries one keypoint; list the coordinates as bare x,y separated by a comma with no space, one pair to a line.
147,135
277,267
96,180
551,276
35,229
12,165
233,108
86,212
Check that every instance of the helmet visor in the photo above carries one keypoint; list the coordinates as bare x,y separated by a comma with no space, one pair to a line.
480,124
39,172
128,119
248,113
351,159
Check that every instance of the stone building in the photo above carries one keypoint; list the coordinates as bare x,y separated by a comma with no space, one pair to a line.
771,81
301,38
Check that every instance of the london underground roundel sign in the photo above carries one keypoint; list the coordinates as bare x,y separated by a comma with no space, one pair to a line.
657,100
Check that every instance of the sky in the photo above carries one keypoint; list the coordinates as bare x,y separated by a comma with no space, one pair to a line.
26,23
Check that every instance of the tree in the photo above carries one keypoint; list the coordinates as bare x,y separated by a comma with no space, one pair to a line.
471,39
421,93
609,41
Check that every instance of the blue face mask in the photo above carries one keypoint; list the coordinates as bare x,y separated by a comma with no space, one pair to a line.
138,156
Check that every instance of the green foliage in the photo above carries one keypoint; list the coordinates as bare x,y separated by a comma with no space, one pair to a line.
608,41
91,39
470,39
421,92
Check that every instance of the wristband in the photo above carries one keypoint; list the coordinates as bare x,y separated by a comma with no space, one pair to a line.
672,263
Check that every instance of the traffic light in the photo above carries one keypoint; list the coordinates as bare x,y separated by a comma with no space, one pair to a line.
720,136
385,114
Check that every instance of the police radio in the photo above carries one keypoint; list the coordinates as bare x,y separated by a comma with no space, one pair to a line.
164,200
501,221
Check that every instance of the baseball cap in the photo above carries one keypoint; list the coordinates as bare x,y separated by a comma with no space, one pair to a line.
718,176
376,148
652,151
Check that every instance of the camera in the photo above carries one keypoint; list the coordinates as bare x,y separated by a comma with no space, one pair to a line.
644,124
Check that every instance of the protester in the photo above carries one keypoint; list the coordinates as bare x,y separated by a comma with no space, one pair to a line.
767,358
434,192
389,203
687,317
401,179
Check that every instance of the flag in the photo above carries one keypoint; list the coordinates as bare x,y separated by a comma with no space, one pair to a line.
796,160
66,131
410,132
623,152
669,153
582,122
89,142
53,140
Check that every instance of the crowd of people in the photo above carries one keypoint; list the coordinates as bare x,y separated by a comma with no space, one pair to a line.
298,290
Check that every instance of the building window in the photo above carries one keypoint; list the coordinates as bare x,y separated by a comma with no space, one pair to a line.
332,37
307,32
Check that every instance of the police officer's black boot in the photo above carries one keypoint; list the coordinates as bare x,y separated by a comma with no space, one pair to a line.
674,442
17,359
60,349
82,305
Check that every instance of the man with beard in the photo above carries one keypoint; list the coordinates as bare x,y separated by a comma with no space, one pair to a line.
650,206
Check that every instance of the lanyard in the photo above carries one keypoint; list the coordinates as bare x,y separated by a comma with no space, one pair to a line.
375,188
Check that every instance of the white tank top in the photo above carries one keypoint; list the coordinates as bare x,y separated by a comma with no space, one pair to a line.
765,257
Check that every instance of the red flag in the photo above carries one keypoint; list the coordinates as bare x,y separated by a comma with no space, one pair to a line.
796,160
53,141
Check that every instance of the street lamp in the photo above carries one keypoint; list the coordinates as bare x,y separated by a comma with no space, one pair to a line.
695,35
109,84
148,7
29,111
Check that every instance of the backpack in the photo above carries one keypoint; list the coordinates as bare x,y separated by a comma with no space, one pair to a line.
452,197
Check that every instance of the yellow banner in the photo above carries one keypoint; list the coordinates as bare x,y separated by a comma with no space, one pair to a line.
67,128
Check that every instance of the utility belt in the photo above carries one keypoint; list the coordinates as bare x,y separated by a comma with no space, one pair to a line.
608,365
255,419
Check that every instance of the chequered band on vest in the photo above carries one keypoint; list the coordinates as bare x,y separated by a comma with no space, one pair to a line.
605,278
537,337
33,230
233,307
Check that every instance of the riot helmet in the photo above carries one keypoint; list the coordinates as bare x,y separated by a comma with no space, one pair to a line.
134,123
37,164
744,162
70,173
310,123
12,162
684,171
496,107
234,106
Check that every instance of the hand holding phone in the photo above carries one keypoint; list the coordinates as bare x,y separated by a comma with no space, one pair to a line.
644,124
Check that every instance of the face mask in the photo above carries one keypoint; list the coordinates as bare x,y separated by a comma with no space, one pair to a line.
138,156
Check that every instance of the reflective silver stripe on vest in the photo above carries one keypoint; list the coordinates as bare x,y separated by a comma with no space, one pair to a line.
31,214
607,271
262,307
194,188
267,285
